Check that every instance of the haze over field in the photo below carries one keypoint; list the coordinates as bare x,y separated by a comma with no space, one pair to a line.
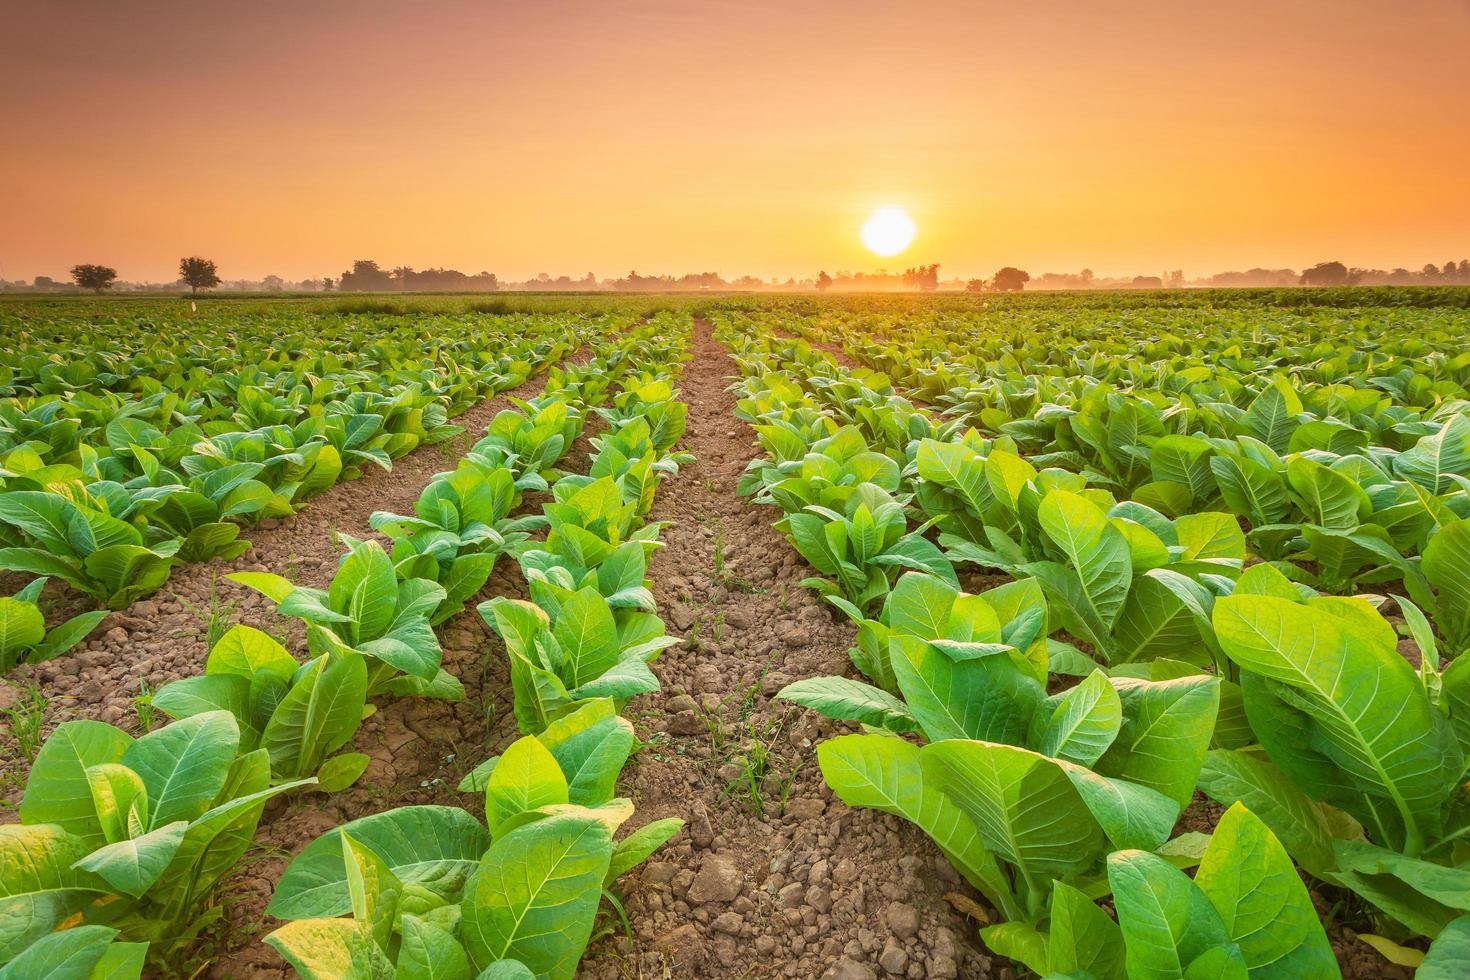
749,137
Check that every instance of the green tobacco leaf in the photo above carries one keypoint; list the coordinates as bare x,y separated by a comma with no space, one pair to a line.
41,887
273,587
535,894
1263,904
330,949
1448,954
1082,725
133,865
1329,673
632,850
72,954
1084,940
990,698
884,773
1165,733
850,700
1296,820
429,952
184,765
526,777
433,846
1167,921
58,791
1094,549
319,713
21,626
1023,804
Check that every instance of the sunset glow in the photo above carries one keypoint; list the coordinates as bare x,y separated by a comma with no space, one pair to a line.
743,137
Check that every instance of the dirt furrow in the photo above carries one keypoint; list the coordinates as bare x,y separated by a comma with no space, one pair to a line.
163,637
772,876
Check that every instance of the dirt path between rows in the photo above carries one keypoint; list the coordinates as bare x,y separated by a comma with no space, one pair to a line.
162,638
772,877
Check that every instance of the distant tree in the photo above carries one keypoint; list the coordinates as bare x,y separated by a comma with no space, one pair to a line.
198,273
1010,280
274,284
1147,282
93,277
326,284
1086,275
824,281
1326,274
1174,279
924,277
975,286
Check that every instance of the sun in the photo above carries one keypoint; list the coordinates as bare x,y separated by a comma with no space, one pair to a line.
889,231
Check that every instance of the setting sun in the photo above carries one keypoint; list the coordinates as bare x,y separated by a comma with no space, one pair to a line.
889,231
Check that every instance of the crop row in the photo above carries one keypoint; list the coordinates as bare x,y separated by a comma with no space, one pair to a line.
111,478
123,842
1049,732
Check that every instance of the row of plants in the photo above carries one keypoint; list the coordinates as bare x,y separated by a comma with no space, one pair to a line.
426,891
1052,769
1344,452
119,463
123,842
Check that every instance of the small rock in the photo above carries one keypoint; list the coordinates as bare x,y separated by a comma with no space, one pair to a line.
718,880
728,922
846,969
686,723
791,895
700,830
678,703
805,808
894,960
902,920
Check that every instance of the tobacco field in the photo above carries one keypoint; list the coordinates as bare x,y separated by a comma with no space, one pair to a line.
1102,636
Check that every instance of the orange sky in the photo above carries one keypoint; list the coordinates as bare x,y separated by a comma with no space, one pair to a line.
564,137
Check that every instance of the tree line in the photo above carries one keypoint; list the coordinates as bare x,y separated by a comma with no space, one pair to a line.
366,275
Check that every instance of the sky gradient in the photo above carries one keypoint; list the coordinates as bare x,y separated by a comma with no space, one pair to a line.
748,137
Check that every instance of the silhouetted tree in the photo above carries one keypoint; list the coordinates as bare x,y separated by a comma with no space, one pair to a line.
824,281
198,273
1147,282
1010,280
93,277
1326,274
274,284
975,286
326,284
924,277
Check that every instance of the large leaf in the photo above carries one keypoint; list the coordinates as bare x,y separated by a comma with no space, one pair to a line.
1339,709
1168,923
184,765
1262,902
883,772
1095,551
433,846
57,790
1023,804
535,894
